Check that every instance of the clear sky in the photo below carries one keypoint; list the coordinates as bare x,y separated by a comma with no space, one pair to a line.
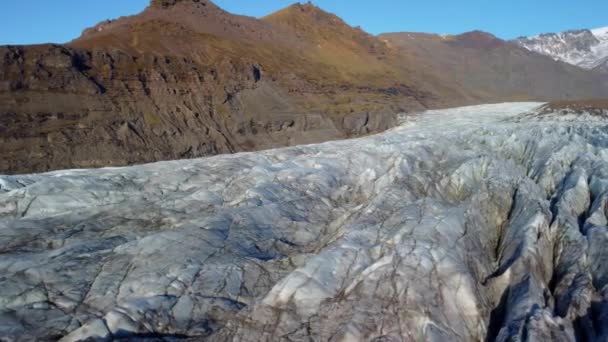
40,21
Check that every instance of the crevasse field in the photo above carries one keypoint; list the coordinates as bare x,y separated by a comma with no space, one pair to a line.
466,224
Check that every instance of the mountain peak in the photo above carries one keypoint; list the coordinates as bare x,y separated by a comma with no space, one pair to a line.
585,48
299,10
478,36
306,7
165,4
478,39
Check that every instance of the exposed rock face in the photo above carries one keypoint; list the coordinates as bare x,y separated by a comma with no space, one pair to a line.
169,3
65,108
170,111
470,224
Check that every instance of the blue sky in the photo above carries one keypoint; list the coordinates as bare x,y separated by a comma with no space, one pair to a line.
40,21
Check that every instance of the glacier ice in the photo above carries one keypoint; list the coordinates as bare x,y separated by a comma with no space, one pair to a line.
466,224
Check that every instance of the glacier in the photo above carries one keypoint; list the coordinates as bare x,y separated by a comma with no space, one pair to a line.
482,223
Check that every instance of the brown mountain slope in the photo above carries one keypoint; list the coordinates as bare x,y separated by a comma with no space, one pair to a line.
186,79
352,56
491,69
300,46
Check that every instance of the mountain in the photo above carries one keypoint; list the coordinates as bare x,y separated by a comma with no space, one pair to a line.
487,67
185,79
483,223
585,48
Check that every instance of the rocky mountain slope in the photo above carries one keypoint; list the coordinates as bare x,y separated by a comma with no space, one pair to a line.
186,79
183,79
468,224
492,69
585,48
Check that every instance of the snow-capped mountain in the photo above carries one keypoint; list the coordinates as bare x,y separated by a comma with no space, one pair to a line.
585,48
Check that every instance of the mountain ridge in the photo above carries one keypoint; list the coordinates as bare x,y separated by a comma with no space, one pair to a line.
587,48
484,65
